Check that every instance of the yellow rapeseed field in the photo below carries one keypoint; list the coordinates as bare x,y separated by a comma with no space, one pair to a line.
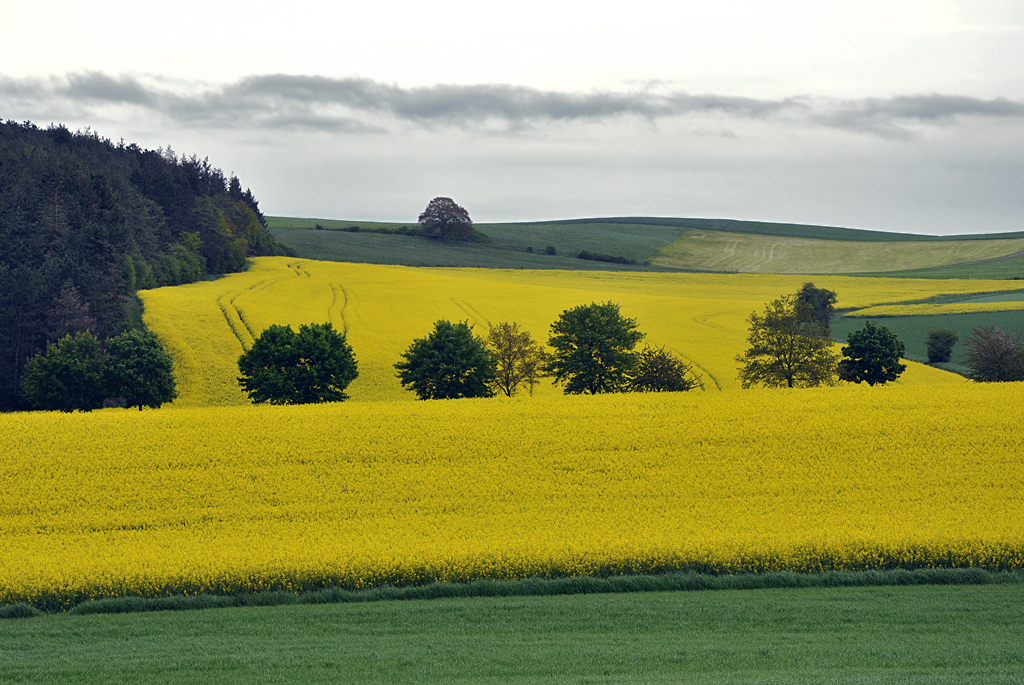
363,493
936,309
700,317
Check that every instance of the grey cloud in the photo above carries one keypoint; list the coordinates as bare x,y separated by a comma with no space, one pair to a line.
361,105
889,116
93,86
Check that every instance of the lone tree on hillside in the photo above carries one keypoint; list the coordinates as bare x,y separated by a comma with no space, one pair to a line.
788,348
994,355
284,367
446,220
517,357
940,345
448,364
872,355
659,371
139,370
593,349
69,376
821,304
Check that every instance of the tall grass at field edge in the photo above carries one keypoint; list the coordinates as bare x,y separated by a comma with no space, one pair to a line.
669,582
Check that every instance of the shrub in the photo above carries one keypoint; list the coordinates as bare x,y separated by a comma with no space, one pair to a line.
995,355
659,371
940,345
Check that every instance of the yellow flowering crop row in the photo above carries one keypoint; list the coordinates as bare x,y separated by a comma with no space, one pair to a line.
700,317
358,494
936,309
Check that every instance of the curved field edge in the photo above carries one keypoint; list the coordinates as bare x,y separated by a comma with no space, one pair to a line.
689,581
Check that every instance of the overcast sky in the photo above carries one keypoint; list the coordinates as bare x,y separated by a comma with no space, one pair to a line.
890,115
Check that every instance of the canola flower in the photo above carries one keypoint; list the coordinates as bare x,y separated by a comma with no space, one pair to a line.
702,318
235,499
935,309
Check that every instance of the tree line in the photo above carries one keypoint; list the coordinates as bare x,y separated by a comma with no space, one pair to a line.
85,223
593,352
790,345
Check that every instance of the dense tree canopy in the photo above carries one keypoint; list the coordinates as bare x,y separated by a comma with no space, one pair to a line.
69,377
994,356
593,349
284,367
788,348
818,304
450,363
872,355
446,220
84,223
139,370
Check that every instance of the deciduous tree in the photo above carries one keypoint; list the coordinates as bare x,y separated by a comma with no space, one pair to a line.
446,220
517,357
788,348
593,349
660,371
139,370
872,355
69,376
993,355
819,303
284,367
450,363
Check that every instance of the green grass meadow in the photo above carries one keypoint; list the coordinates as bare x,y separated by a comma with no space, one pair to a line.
668,244
922,634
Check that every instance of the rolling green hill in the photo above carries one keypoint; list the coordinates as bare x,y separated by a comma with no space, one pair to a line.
657,243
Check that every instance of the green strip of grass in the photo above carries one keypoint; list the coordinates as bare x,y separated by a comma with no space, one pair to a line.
926,634
668,582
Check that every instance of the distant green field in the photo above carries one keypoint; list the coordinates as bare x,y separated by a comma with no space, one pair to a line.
669,244
1012,267
913,331
507,247
919,634
750,253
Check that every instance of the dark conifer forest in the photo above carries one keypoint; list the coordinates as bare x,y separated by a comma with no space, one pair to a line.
85,223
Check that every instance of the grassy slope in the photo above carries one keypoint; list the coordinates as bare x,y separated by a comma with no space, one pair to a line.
1012,267
845,635
636,238
747,253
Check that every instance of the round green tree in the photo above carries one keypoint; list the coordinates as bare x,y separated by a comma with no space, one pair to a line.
446,220
69,377
593,349
139,370
448,364
284,367
872,355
